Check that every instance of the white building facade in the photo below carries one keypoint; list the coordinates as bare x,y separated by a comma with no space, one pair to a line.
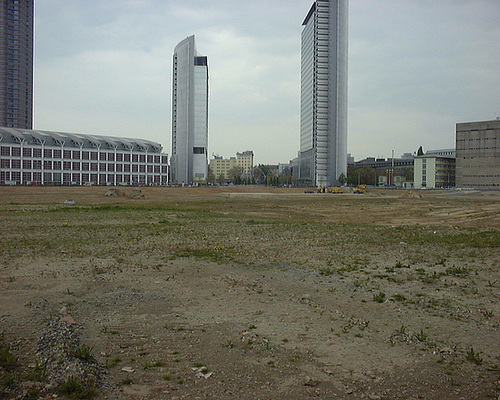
323,125
33,157
434,169
189,162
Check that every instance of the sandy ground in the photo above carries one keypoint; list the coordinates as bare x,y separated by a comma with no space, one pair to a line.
258,293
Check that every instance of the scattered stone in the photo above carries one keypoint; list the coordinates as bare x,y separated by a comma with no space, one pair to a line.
446,350
128,369
68,320
311,382
69,202
202,372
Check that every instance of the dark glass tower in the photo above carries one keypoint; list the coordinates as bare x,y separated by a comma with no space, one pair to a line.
16,63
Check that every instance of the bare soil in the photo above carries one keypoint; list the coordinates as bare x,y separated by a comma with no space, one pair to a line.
255,293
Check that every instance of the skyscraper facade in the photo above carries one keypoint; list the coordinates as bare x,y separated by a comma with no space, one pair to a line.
323,123
189,163
16,63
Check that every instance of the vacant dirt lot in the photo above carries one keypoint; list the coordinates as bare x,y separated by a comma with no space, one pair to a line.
249,293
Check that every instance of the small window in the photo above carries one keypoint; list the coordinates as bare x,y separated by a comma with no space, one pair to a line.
198,150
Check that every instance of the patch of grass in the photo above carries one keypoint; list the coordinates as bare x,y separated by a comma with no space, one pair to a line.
402,329
37,373
457,271
379,298
421,336
326,271
401,265
7,379
156,364
430,278
75,389
474,357
127,381
83,352
32,394
113,362
398,297
7,359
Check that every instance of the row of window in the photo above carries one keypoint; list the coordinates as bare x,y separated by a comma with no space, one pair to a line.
477,148
79,166
481,176
7,151
58,178
480,138
477,166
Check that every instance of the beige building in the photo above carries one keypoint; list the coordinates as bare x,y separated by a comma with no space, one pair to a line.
220,167
478,154
434,170
245,161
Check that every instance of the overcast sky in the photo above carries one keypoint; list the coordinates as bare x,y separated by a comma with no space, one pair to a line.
416,67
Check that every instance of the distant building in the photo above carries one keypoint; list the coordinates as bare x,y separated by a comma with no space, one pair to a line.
189,162
221,167
478,154
393,172
435,169
285,168
30,157
323,116
245,161
16,63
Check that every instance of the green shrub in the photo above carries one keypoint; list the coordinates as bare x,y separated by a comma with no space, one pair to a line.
379,298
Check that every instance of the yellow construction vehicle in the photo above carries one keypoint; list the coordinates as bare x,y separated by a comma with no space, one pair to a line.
360,189
335,190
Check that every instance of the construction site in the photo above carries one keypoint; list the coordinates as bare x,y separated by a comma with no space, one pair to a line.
249,292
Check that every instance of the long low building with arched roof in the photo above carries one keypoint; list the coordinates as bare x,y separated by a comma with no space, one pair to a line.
57,158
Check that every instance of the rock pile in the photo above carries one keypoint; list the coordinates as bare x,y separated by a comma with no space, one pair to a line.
61,352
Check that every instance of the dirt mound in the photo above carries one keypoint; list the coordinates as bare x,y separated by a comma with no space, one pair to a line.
136,194
411,194
114,192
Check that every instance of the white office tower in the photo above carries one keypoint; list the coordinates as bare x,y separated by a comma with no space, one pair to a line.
189,163
323,130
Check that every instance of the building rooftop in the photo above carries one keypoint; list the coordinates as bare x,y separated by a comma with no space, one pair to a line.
76,140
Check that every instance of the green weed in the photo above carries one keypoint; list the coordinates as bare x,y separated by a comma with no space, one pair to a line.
474,357
75,389
421,336
83,352
379,298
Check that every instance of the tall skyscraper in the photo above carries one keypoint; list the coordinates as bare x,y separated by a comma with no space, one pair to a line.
189,164
16,63
323,116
